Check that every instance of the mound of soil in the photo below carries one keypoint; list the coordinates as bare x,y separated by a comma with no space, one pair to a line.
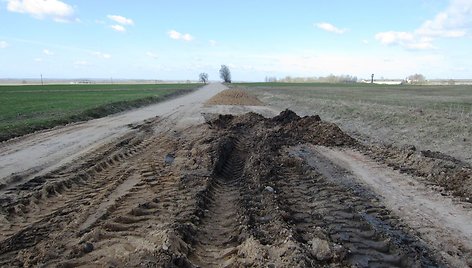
222,194
287,129
234,97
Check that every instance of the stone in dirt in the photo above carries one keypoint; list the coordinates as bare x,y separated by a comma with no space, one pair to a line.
269,189
320,249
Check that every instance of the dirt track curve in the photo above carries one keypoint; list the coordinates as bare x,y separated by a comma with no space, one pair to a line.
230,191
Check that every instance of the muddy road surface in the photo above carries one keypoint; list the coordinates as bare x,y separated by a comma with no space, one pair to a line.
195,188
44,151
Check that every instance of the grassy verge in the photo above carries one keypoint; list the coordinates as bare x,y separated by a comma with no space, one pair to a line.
26,109
430,117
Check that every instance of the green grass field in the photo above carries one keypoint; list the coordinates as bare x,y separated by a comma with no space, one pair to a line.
429,117
25,109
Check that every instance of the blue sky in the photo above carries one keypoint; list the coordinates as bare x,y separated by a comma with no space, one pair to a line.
179,39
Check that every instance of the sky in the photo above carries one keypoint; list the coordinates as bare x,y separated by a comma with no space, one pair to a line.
178,40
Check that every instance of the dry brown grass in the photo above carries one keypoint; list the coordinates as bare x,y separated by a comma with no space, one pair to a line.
234,97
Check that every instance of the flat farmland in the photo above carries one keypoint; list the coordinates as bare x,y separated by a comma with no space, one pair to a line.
185,183
435,118
29,108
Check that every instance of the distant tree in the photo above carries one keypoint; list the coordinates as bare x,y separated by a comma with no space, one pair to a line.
416,79
225,74
203,77
271,79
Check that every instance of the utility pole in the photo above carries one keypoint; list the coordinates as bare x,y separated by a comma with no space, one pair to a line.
372,79
42,84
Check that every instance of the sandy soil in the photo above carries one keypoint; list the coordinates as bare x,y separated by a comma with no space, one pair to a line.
438,219
191,187
38,153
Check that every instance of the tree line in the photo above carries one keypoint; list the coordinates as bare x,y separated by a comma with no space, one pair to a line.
225,75
321,79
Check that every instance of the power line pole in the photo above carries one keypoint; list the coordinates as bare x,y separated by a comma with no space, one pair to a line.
42,84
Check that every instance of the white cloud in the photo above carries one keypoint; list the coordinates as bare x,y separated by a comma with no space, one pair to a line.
38,59
405,39
57,10
421,44
48,52
152,55
121,20
118,28
330,28
391,37
101,55
3,44
187,37
212,43
174,34
180,36
454,22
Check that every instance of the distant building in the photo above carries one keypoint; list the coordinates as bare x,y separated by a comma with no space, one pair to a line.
384,81
81,82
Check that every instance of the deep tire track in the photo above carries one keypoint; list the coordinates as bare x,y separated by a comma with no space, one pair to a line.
67,200
220,227
34,199
313,202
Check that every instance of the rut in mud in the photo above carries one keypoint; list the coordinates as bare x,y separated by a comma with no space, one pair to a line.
219,230
225,193
362,228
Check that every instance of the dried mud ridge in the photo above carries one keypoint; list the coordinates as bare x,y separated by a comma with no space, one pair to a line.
449,175
223,194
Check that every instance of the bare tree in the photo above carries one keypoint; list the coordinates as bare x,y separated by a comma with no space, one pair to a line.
203,77
416,79
225,74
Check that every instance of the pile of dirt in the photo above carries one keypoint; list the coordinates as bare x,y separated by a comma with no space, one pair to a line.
289,215
222,194
234,97
287,129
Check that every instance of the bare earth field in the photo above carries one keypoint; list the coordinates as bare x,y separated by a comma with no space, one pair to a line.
191,183
437,118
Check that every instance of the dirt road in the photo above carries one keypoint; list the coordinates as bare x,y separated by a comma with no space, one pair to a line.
38,153
194,188
439,220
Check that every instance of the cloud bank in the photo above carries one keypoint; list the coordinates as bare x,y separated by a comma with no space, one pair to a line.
453,22
57,10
